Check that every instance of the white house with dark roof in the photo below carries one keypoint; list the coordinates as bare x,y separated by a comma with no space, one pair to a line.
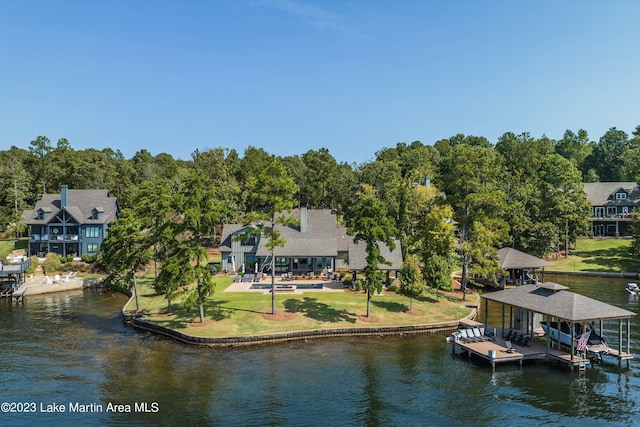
318,245
612,204
73,222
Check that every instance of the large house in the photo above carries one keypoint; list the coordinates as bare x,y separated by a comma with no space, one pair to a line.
73,222
316,246
611,206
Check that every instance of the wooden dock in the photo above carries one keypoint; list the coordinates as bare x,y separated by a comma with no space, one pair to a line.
496,352
18,294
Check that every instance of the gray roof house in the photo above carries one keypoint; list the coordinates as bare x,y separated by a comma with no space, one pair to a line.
314,246
73,222
612,204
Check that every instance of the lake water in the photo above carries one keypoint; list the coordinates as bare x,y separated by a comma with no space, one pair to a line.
71,351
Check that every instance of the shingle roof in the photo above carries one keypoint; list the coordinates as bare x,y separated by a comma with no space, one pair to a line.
323,238
599,193
80,203
358,256
551,299
511,259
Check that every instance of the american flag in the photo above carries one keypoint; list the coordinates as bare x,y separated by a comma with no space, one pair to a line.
582,342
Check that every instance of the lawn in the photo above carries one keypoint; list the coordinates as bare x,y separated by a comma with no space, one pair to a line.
603,255
247,313
8,246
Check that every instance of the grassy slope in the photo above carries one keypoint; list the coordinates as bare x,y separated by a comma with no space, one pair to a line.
241,313
607,255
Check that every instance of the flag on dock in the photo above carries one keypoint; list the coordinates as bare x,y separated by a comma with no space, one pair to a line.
582,342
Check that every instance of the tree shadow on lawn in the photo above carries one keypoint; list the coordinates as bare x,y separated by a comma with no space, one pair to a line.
614,262
318,310
181,317
393,307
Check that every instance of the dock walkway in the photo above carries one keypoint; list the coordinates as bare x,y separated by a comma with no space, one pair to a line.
496,352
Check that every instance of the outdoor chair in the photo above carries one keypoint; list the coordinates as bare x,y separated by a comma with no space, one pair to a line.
479,336
510,347
509,336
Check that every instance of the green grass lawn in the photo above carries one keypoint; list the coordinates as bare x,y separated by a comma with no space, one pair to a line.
242,313
605,255
8,246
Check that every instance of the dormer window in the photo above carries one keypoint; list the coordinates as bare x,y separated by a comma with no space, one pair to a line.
96,213
43,213
621,196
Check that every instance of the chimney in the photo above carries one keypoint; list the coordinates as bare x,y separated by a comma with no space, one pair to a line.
64,196
303,218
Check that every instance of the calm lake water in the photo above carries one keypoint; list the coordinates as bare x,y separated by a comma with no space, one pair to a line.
71,351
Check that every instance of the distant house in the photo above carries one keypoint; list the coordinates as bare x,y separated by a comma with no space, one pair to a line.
73,222
611,206
316,246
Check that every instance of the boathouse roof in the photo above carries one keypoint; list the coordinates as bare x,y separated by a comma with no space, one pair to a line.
554,300
512,259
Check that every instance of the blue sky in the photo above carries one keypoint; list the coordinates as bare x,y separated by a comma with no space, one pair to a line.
294,75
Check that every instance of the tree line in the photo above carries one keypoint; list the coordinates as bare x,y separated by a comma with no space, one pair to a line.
522,191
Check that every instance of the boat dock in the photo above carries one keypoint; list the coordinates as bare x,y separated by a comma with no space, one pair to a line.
495,351
18,294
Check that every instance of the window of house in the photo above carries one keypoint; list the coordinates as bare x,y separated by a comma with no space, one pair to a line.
621,196
92,247
92,231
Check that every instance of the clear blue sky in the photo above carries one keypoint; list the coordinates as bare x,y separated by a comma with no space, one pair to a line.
294,75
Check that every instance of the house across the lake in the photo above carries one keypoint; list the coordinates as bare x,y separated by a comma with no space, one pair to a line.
73,222
611,206
316,246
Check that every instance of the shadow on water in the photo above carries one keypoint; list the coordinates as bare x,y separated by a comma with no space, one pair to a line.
313,309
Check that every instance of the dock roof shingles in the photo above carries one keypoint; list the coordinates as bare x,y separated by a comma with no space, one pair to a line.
511,259
547,299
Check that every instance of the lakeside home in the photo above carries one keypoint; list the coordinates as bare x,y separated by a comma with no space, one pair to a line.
612,204
73,222
314,247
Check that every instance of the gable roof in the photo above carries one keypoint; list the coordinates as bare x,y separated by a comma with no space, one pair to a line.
322,238
554,300
80,204
511,259
358,256
599,193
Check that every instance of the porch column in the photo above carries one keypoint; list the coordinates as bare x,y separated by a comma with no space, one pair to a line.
619,342
486,313
571,329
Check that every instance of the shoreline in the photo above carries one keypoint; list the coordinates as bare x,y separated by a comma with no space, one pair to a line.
36,287
137,322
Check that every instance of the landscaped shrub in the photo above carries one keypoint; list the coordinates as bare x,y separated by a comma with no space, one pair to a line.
51,263
392,288
89,258
33,266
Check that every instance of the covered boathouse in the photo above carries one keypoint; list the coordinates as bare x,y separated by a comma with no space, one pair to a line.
524,309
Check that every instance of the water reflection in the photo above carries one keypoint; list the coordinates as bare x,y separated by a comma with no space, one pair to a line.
72,347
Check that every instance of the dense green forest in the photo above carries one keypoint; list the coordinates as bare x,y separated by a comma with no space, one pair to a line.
520,191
